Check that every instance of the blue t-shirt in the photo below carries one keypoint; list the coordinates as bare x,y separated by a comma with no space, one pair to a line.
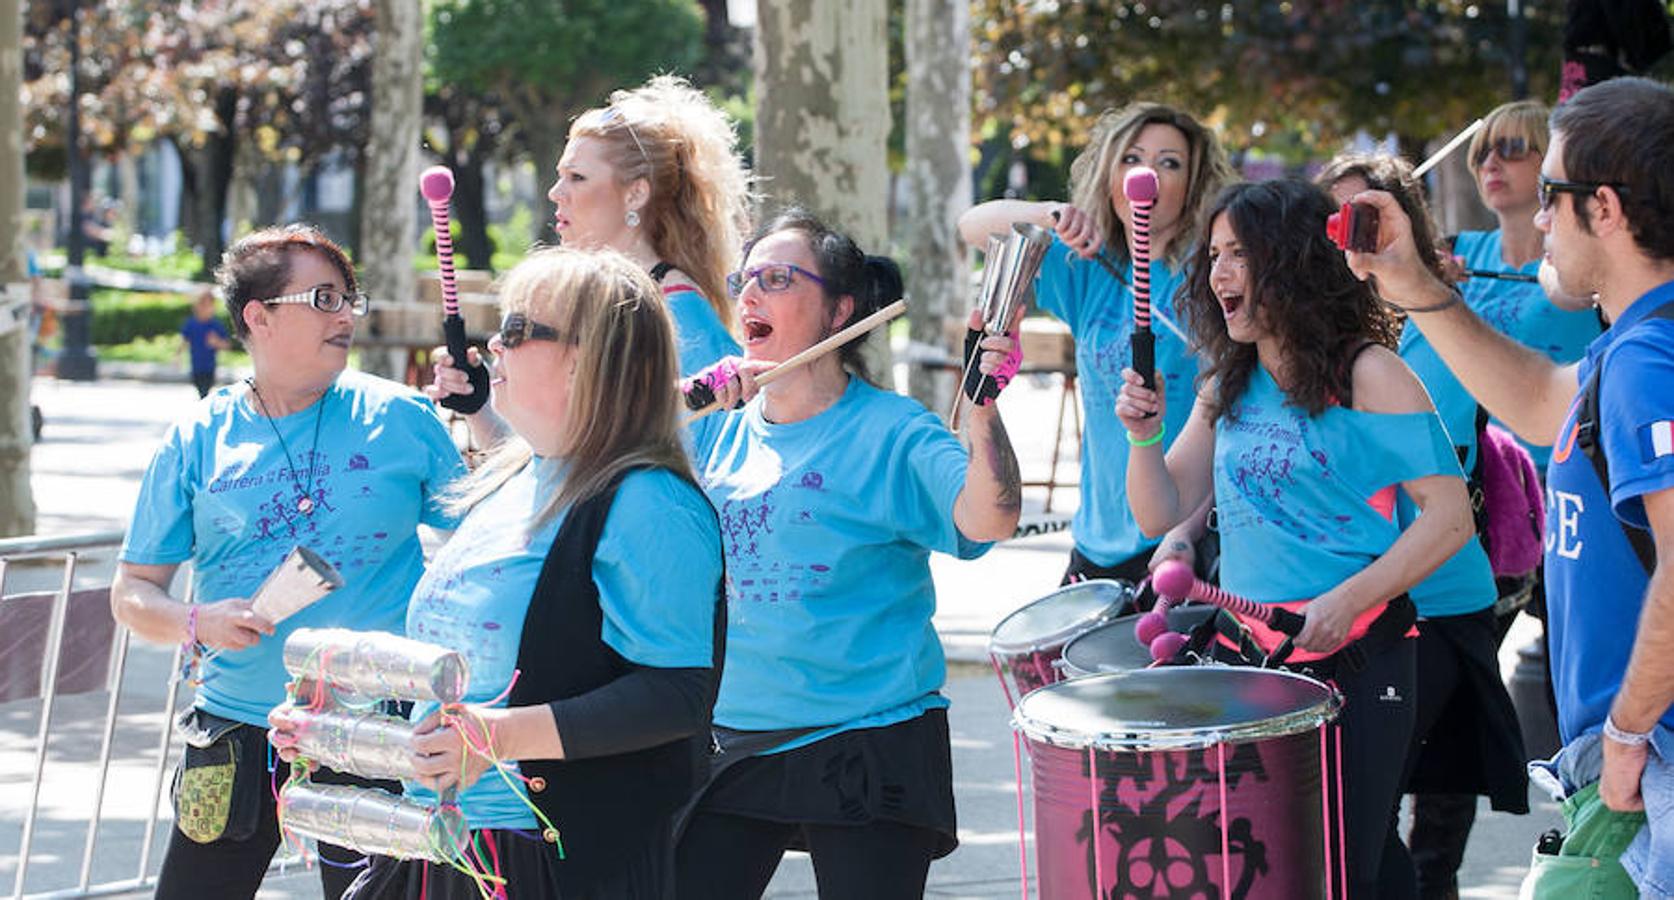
1521,311
1099,312
220,492
1465,582
1291,490
196,331
656,567
828,525
699,335
1595,585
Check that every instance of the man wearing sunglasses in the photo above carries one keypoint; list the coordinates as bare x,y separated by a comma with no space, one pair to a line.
1606,208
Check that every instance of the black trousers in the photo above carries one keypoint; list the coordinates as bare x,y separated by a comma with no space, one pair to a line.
229,870
1133,569
728,857
1379,711
204,382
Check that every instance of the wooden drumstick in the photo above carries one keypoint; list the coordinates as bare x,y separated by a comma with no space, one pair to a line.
820,349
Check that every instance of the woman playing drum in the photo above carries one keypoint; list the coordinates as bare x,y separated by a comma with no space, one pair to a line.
1305,426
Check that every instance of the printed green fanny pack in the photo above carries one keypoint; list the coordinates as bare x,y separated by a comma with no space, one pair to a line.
217,789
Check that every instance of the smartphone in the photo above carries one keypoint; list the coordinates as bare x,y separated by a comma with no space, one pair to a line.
1354,227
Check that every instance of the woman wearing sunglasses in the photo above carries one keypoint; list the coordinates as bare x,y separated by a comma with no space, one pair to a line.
832,494
1097,304
303,453
583,587
1501,265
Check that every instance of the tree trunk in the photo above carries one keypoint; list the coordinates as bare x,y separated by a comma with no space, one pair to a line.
389,237
470,207
17,501
938,180
214,180
822,119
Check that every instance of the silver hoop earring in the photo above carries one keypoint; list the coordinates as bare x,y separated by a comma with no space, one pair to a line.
633,218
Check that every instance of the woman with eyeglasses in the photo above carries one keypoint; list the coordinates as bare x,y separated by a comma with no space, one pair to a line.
305,454
1501,266
583,587
1085,280
833,493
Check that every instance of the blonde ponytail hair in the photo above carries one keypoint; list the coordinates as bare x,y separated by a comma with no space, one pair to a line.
671,135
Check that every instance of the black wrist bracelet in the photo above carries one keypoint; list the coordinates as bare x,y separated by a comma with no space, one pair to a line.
1454,298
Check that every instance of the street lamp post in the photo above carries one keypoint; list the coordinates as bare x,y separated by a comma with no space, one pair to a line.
76,361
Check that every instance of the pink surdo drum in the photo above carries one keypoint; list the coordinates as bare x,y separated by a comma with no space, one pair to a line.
1027,645
1207,782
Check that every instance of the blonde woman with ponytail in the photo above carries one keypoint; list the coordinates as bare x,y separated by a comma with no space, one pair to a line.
583,588
656,175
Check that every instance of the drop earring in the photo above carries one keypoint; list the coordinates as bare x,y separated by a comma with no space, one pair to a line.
633,218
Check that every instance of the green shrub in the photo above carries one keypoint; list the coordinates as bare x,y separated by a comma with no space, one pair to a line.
120,317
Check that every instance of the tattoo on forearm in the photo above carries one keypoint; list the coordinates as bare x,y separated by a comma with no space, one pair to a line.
1003,462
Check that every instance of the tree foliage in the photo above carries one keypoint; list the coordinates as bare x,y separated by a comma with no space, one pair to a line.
1300,73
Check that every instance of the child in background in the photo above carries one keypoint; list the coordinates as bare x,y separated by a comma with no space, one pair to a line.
204,336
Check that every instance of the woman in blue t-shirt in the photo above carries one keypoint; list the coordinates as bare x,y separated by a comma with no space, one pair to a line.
583,588
1097,304
832,494
1500,266
1306,427
1466,741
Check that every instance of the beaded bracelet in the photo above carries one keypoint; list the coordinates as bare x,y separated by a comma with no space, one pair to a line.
1630,738
1153,439
191,626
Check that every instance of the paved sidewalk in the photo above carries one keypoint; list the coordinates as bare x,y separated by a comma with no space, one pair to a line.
97,441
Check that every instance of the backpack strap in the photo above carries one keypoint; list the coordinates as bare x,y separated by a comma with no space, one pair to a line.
661,270
1587,438
1474,486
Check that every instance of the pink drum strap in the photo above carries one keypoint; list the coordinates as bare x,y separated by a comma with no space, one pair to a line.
1010,703
1022,838
1093,795
1226,814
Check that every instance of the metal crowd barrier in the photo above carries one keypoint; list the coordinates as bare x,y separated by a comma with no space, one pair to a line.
91,609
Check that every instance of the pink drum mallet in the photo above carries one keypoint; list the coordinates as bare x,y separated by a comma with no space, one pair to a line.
1175,579
1140,187
436,184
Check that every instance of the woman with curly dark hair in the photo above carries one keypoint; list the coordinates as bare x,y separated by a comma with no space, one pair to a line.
1306,427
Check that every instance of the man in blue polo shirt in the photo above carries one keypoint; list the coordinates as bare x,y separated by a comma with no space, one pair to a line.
1607,211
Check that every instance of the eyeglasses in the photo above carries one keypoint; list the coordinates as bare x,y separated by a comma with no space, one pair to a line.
516,328
1509,149
1550,188
772,278
326,300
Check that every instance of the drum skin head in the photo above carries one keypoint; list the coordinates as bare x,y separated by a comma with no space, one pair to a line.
1059,615
1175,707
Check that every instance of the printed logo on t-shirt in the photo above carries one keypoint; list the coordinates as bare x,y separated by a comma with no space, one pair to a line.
1563,523
1656,440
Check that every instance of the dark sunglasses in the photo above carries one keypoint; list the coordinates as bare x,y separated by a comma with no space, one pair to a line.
772,278
516,328
1509,149
326,300
1550,188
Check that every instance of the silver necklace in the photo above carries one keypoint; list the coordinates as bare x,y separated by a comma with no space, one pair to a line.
304,496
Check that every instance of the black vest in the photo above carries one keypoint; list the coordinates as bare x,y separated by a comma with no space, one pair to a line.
608,810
